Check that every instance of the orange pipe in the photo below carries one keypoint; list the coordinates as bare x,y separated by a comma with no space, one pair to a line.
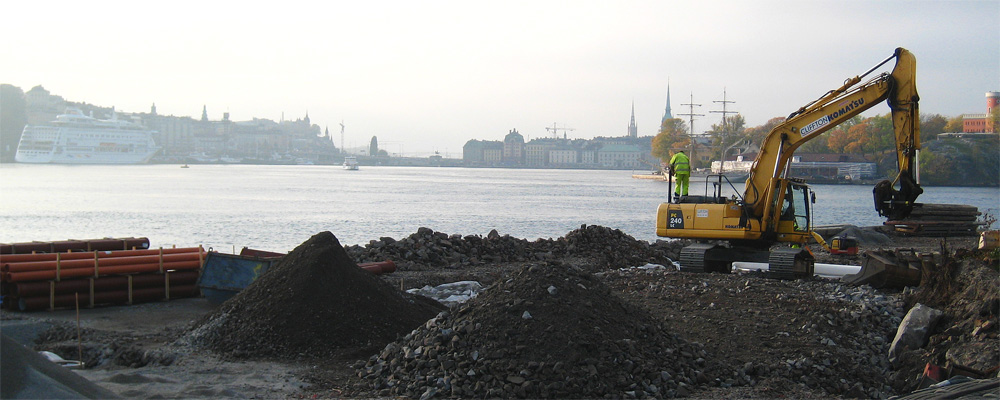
107,297
81,255
75,245
101,262
381,267
104,283
86,272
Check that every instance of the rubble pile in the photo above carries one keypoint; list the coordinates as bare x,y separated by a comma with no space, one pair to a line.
964,288
545,332
313,302
427,249
778,338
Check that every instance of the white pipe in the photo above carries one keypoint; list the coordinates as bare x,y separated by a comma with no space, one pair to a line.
821,270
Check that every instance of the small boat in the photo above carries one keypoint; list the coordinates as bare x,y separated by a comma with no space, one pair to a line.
351,163
185,166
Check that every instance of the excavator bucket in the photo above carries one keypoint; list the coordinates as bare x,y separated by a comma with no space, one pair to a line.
887,269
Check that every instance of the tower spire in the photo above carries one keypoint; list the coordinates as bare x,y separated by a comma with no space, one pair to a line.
666,114
633,132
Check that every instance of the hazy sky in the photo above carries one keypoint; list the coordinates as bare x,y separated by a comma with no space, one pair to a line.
430,75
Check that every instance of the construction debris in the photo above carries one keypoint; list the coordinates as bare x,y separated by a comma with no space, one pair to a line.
939,220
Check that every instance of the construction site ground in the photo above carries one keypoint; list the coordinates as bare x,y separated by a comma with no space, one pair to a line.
742,335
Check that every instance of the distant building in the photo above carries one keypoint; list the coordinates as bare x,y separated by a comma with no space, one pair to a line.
811,166
472,152
563,155
536,152
619,156
981,123
513,148
492,152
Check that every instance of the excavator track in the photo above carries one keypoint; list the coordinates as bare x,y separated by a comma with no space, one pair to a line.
790,263
693,257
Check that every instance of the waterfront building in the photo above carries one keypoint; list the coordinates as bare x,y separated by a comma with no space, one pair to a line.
472,152
981,123
492,152
536,151
563,156
513,148
619,156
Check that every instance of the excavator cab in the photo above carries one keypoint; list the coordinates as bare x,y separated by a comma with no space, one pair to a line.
794,217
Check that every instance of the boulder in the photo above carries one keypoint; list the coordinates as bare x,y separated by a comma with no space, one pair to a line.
914,330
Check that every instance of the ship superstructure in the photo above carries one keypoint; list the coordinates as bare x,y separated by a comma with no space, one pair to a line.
74,138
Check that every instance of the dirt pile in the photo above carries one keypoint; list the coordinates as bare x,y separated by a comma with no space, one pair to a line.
805,338
602,247
965,285
545,332
315,301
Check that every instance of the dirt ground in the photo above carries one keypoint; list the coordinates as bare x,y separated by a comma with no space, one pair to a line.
763,338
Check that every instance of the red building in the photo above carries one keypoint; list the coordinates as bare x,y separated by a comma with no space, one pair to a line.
980,123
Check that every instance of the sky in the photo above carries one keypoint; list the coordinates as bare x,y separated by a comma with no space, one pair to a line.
427,76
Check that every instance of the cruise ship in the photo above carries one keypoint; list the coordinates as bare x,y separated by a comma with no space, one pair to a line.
74,138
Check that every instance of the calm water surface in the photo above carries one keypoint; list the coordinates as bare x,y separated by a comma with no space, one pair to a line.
276,208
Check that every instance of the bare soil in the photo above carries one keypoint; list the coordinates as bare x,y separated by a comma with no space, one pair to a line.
745,335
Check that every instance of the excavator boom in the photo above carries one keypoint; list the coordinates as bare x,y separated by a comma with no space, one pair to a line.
835,107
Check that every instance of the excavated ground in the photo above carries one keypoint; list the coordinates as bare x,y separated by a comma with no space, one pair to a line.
567,318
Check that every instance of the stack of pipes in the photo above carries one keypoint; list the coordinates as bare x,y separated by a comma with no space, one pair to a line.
54,280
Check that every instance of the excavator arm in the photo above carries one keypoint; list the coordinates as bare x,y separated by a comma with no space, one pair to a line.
833,108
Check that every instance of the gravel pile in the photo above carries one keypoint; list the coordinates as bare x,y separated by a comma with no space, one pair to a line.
806,336
312,303
545,332
426,249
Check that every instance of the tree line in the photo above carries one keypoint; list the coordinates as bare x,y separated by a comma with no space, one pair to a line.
943,161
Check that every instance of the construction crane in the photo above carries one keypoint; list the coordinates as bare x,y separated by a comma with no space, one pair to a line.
555,130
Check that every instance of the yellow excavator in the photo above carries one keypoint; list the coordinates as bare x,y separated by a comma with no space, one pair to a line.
776,208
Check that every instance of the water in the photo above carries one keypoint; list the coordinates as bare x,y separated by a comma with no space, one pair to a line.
276,208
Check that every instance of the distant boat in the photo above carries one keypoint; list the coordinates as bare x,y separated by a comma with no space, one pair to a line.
351,163
185,166
74,138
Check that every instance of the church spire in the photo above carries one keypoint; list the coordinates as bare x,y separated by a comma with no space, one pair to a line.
633,132
667,115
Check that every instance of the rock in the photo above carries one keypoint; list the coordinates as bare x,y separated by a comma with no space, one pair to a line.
914,330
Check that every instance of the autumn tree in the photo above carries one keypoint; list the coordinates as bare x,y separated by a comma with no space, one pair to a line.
883,136
954,124
726,134
931,126
672,135
994,119
758,133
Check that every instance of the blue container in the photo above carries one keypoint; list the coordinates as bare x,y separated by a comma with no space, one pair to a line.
224,275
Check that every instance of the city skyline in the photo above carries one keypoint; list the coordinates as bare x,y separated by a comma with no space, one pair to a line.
430,76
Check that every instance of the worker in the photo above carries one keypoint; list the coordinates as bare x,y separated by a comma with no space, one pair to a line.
680,167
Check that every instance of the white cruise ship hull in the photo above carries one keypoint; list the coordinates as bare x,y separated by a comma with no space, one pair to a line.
82,157
76,139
